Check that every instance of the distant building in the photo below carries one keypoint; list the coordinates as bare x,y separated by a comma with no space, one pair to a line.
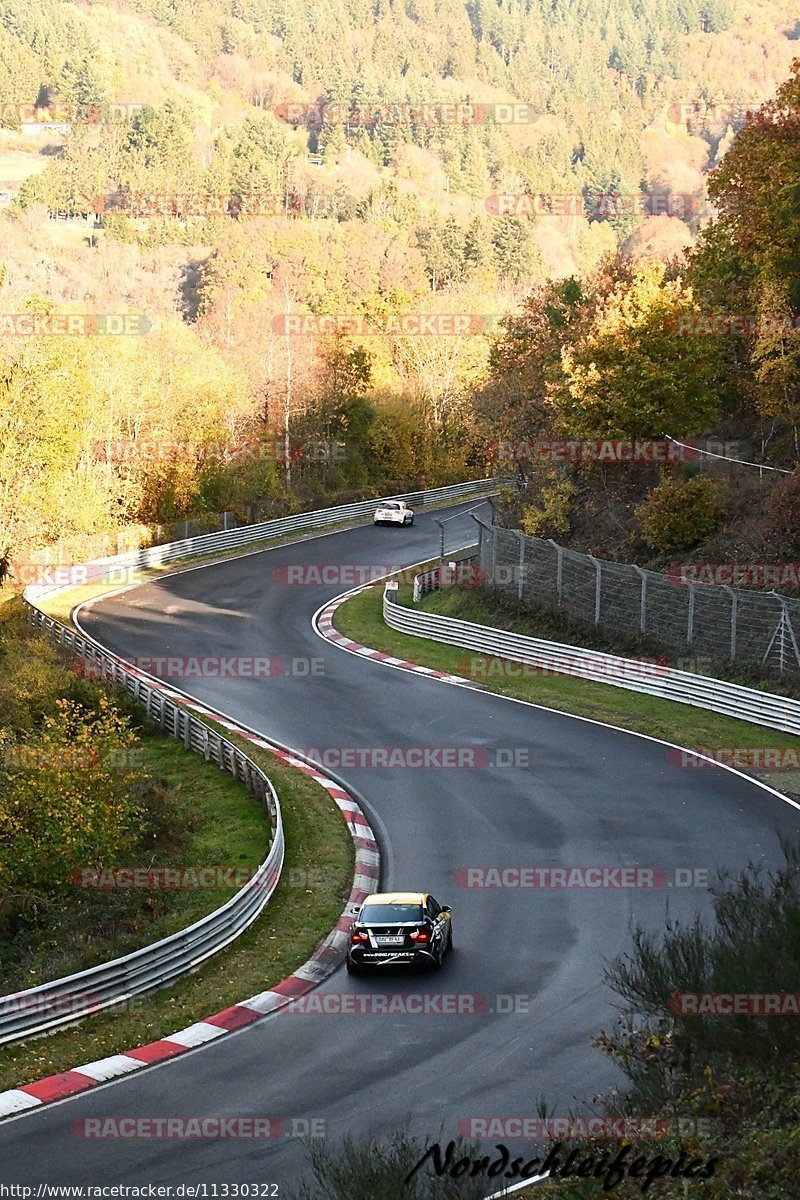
44,128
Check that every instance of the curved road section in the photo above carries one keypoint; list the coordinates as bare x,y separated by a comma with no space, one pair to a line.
454,781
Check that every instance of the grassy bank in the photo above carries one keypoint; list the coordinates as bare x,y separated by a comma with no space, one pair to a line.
361,618
201,817
315,883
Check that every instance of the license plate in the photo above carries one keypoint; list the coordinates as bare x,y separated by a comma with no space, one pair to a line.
390,941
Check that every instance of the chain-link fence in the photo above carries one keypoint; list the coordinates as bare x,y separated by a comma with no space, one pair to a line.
722,623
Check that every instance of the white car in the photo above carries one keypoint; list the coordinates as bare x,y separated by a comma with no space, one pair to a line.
394,512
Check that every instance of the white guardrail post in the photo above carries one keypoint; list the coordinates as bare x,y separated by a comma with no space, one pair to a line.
64,1001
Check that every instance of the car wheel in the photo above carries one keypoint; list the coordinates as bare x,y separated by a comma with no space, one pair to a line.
450,937
411,522
438,960
351,968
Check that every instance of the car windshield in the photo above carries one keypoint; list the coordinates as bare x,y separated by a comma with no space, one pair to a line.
390,505
389,914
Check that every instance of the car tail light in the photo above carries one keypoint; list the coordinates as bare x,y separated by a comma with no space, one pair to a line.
419,935
357,936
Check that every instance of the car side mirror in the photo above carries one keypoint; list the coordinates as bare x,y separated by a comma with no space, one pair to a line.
355,910
446,908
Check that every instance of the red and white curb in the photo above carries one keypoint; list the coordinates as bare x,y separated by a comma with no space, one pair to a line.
322,963
325,627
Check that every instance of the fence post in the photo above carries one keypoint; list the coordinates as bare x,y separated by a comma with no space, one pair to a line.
734,612
521,573
690,618
783,628
642,599
598,583
559,566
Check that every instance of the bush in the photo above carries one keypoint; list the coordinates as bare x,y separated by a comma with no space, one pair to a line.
680,513
69,798
377,1170
552,517
783,508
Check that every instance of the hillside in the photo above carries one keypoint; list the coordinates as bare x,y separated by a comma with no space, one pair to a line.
170,161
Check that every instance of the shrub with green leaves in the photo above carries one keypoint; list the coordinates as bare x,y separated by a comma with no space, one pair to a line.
783,508
70,797
680,513
550,518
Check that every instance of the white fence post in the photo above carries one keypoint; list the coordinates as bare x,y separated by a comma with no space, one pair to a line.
521,573
734,612
598,584
642,599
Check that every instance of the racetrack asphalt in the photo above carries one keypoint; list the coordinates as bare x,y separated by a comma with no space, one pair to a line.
580,794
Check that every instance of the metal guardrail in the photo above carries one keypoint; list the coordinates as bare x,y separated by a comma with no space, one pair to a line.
231,539
63,1001
649,678
427,581
435,579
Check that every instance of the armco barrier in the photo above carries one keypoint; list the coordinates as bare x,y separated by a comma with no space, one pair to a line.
41,1009
63,1001
749,704
232,539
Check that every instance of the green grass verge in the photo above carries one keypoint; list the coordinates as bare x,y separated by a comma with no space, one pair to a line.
361,618
315,884
213,822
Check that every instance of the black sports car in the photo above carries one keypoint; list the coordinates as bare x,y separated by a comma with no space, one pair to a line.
393,928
